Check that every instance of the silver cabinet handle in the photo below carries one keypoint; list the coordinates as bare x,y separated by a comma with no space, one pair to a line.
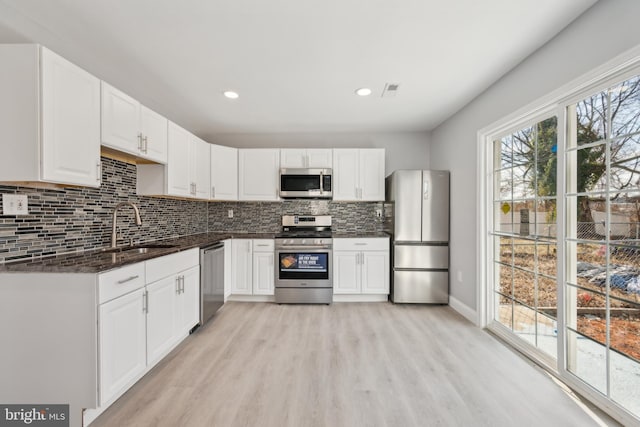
145,145
360,244
182,284
140,145
128,279
361,258
262,245
178,285
213,191
99,171
145,302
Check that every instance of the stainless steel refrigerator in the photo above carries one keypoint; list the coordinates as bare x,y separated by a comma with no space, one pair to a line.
419,224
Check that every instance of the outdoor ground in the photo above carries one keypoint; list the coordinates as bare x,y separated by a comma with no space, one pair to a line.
590,295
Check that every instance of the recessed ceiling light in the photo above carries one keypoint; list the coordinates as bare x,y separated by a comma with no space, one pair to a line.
230,94
363,91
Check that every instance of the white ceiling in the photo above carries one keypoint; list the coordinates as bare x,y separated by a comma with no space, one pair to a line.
295,63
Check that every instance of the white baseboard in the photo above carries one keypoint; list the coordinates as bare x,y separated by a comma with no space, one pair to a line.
360,298
252,298
466,311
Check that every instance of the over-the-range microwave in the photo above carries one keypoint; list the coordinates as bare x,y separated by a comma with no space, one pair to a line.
305,183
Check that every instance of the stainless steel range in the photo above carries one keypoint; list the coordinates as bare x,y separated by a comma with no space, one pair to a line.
304,260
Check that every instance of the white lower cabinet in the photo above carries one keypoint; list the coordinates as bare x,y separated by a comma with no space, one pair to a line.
188,301
263,273
242,267
161,318
252,267
361,266
123,341
144,311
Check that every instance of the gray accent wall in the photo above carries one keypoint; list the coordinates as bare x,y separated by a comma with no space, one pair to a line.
603,32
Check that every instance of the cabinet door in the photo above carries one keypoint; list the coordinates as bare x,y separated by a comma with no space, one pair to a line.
161,317
293,158
70,123
345,174
202,163
154,132
258,174
371,173
122,343
188,309
319,158
375,272
346,272
228,268
120,120
263,273
241,272
224,173
178,162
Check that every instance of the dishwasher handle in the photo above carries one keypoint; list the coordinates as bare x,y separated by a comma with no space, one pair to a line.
212,248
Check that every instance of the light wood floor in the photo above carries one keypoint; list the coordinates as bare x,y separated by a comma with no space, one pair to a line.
348,364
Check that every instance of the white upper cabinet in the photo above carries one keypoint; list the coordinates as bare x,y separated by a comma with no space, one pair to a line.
224,173
200,168
306,158
320,158
358,174
154,135
372,174
132,128
258,173
179,161
187,172
49,118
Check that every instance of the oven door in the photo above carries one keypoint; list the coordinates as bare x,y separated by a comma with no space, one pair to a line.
303,267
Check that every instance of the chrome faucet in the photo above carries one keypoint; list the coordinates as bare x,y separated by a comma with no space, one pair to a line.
114,235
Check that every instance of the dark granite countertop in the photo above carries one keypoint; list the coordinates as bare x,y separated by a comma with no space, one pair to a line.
98,261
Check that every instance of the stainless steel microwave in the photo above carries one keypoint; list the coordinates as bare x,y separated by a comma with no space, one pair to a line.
305,183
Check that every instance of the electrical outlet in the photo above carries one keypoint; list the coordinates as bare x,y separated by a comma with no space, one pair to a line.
15,204
379,213
230,213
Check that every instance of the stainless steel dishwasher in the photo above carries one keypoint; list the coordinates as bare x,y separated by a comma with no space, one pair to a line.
211,281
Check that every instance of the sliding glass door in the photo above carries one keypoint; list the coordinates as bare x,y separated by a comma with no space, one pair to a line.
602,285
563,241
524,234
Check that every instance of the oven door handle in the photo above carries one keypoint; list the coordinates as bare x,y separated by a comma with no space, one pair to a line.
302,248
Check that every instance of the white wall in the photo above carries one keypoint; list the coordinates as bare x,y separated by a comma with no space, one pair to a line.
404,150
603,32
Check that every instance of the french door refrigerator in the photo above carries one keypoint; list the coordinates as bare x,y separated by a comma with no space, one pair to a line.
419,224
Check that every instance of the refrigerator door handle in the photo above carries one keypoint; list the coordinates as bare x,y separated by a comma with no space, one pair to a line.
425,190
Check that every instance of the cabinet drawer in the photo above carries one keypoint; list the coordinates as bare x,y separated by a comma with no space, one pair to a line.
361,244
263,245
161,267
115,283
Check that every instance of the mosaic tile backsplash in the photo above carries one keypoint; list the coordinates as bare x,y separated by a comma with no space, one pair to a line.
265,217
77,219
